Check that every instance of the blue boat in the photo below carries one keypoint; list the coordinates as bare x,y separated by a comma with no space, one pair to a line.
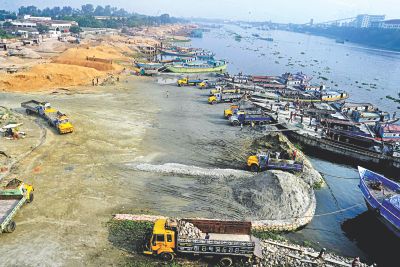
382,196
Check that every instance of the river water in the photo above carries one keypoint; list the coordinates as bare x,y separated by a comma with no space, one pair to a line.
342,223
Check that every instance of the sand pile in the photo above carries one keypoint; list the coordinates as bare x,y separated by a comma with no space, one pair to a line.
49,75
273,195
79,56
100,51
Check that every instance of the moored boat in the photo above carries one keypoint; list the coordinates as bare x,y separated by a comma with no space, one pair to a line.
382,196
199,67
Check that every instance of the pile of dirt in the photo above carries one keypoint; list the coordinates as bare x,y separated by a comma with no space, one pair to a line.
46,76
100,66
273,195
100,51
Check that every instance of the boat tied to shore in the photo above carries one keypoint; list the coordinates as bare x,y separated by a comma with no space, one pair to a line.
382,197
198,67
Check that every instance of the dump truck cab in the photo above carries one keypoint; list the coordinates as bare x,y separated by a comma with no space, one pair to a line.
214,99
16,187
255,162
183,81
63,124
162,241
230,111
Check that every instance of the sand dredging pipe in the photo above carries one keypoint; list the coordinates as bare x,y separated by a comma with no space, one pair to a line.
290,224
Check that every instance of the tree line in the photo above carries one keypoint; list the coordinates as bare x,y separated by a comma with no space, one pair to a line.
85,16
374,37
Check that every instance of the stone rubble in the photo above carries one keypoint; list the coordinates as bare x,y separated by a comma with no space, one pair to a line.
188,230
286,254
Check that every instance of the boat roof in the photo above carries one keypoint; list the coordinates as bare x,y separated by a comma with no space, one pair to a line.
391,128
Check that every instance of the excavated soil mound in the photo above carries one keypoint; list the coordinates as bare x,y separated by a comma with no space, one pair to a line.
100,66
46,76
274,195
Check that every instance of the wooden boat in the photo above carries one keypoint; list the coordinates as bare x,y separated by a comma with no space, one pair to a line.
150,65
382,196
199,67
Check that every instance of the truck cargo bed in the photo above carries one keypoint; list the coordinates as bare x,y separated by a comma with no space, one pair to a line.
6,207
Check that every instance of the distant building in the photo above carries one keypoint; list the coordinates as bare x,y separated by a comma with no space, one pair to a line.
24,24
311,22
32,18
366,21
391,24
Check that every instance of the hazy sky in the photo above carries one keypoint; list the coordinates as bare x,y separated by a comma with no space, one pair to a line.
297,11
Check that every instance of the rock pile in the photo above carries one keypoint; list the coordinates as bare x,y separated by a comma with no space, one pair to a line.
188,230
283,254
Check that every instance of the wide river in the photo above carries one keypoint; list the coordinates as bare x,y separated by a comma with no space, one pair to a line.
341,223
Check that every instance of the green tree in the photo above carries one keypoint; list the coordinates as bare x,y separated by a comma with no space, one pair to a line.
42,28
75,29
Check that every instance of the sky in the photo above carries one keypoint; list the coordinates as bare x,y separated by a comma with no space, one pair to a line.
295,11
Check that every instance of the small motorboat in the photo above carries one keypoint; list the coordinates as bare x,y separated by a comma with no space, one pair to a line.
382,196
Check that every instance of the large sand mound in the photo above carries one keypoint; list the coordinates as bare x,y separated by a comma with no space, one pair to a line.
49,75
101,51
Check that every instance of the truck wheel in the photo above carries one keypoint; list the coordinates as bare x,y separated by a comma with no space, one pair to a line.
254,168
235,123
30,197
10,227
166,256
226,261
213,102
28,112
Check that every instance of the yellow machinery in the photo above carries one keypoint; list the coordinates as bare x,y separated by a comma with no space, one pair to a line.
186,81
229,112
162,242
227,241
12,197
224,91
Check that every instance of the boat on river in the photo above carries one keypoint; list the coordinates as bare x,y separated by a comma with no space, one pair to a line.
199,67
382,196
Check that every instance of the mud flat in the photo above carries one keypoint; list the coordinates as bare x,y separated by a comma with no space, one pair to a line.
82,178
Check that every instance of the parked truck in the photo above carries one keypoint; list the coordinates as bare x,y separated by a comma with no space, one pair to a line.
186,81
225,241
12,197
54,117
250,116
219,89
261,162
220,97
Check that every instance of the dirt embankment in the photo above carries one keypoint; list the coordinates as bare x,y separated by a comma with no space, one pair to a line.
74,67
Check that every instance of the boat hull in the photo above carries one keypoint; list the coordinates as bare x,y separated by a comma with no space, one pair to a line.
177,69
384,214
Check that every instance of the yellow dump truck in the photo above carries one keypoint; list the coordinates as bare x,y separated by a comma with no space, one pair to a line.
54,117
224,91
12,197
230,111
187,82
225,241
261,162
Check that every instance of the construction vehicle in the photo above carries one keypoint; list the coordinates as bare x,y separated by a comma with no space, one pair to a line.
261,162
54,117
12,197
186,82
234,109
219,89
225,241
248,117
220,97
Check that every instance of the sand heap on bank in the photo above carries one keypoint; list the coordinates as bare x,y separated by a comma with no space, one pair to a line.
103,57
274,195
46,76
